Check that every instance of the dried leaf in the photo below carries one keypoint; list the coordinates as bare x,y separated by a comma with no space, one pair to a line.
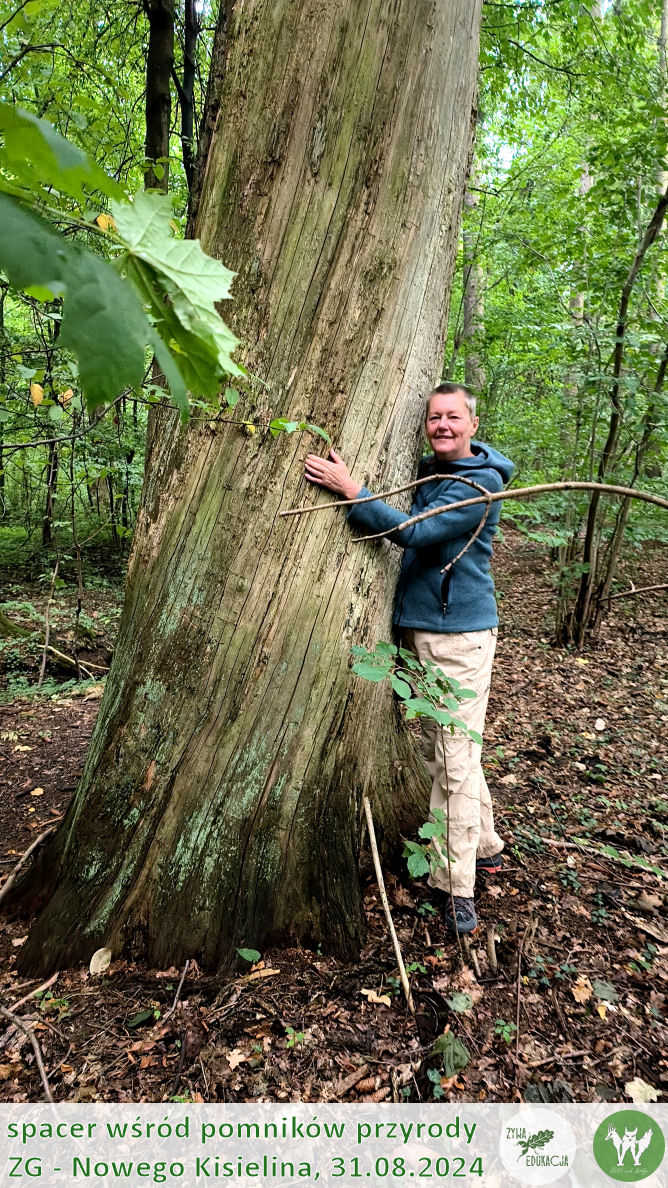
639,1090
235,1058
100,961
106,222
37,792
380,998
66,396
18,941
36,394
599,724
602,1010
650,927
583,989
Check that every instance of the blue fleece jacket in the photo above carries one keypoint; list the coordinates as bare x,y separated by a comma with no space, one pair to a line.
427,599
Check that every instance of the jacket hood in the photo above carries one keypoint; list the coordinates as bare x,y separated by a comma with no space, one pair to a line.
484,457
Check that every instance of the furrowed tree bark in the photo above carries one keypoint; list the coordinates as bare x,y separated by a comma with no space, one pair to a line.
221,799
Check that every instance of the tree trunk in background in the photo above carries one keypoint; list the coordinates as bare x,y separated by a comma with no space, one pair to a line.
159,63
220,802
473,300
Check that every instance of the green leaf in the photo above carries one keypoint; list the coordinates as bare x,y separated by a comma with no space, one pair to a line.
477,738
103,322
105,327
140,1017
454,1054
604,991
193,281
401,688
231,396
429,829
320,432
417,865
38,156
251,955
459,1001
370,672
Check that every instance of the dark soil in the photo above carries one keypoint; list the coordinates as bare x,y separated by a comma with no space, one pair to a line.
576,759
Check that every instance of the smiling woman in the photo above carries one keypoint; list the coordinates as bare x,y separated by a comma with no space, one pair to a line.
447,615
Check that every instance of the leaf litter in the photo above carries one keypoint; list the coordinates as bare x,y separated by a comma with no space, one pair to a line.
577,914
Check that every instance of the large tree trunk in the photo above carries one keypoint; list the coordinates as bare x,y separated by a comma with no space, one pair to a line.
220,803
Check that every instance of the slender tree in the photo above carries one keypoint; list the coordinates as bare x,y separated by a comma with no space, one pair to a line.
220,802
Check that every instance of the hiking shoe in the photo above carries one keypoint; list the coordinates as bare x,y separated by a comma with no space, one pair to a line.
491,865
465,919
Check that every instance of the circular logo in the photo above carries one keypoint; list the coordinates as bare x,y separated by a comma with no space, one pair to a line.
537,1145
629,1146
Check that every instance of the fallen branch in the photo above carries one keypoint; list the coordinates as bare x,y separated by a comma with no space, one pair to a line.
11,879
620,858
386,906
629,593
35,1046
68,660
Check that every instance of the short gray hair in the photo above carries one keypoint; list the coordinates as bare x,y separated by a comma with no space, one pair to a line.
449,388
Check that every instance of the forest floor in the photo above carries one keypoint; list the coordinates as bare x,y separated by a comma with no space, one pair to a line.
577,1010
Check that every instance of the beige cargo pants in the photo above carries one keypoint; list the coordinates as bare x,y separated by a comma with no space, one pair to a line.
463,794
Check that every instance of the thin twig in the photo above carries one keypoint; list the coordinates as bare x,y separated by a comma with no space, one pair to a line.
22,860
474,536
36,1048
37,990
519,990
430,478
47,624
386,906
172,1008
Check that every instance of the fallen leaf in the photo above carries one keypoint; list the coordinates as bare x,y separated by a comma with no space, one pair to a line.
494,890
37,792
100,961
639,1091
582,990
371,996
23,748
18,941
601,1009
460,1001
647,903
235,1058
652,929
599,724
605,991
508,779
